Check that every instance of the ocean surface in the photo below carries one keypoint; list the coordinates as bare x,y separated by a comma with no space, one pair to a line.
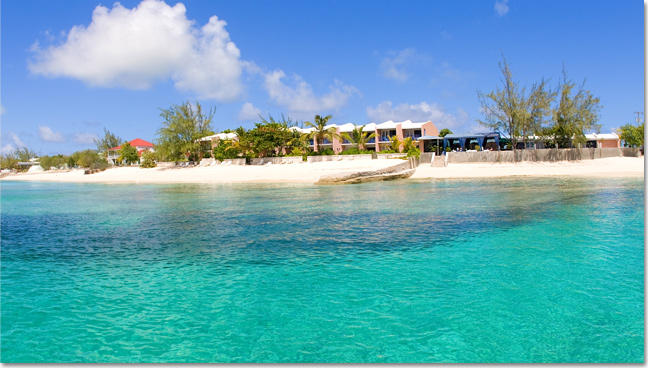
472,271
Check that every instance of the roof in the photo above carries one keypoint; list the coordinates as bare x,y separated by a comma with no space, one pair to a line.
371,127
221,136
347,127
387,125
137,142
429,138
407,124
471,135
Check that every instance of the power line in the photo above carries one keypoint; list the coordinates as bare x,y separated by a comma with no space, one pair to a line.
638,116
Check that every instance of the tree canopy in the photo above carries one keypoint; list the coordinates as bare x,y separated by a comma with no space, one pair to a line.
632,136
561,115
320,132
182,128
108,141
127,153
358,137
510,109
577,110
444,132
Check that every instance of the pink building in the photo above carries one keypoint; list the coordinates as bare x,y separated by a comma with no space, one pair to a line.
384,131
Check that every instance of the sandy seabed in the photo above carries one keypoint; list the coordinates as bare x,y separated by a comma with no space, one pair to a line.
311,172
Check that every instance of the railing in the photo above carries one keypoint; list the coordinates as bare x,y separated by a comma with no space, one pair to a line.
413,136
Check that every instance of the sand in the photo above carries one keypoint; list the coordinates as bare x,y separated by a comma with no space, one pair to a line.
604,167
311,172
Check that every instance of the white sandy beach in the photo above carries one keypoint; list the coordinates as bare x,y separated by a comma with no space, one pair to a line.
311,172
604,167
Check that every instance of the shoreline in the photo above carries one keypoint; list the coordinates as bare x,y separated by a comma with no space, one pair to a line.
312,172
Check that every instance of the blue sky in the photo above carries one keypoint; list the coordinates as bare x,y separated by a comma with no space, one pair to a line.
71,68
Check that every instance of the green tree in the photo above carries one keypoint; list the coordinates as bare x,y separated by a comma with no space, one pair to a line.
512,110
395,143
148,160
632,136
358,137
182,128
243,145
8,161
127,153
577,110
320,132
88,159
57,161
444,132
108,141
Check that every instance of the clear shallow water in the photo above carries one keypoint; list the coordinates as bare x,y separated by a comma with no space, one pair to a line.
516,270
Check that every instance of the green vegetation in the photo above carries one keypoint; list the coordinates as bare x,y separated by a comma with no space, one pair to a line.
148,160
632,136
355,151
182,128
127,154
395,144
109,141
512,110
57,162
10,160
320,133
358,137
444,132
577,111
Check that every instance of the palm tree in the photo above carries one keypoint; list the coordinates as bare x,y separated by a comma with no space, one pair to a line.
408,144
320,133
358,137
395,143
242,144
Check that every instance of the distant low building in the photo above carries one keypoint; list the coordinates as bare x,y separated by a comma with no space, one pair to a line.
140,144
603,140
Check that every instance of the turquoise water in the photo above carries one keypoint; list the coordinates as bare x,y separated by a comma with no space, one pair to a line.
515,270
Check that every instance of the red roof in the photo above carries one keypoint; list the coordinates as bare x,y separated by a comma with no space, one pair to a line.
135,143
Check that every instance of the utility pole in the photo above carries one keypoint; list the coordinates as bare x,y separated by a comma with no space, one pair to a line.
638,116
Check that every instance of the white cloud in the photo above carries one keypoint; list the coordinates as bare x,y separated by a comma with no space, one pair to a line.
299,97
249,112
133,48
48,135
84,138
501,7
17,141
214,69
417,113
393,66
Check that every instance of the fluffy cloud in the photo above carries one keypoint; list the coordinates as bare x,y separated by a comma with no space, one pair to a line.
299,98
417,113
133,48
393,66
214,69
249,112
48,135
10,147
501,7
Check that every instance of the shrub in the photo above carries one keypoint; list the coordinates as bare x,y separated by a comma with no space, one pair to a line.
414,152
356,151
148,160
